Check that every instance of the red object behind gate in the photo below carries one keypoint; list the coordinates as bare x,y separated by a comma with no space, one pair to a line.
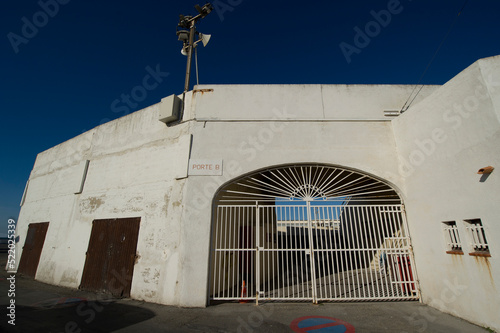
406,274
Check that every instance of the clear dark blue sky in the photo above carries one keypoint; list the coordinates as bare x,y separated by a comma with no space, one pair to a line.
61,73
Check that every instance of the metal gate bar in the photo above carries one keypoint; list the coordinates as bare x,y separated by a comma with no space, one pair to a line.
314,251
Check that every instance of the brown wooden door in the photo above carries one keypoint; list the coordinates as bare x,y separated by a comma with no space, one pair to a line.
32,249
110,260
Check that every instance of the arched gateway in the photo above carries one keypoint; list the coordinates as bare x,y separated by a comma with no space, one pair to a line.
310,232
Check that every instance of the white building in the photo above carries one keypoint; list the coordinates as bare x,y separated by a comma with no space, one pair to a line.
183,214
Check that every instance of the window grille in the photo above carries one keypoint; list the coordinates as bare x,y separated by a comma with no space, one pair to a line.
452,236
477,237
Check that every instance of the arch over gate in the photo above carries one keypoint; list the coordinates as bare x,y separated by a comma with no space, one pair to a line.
310,232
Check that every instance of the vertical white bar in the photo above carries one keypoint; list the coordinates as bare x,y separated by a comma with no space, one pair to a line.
224,265
291,259
335,253
240,231
233,288
453,239
404,266
299,280
265,254
314,246
305,254
396,287
232,245
369,252
400,257
388,234
312,255
271,241
358,253
302,267
479,231
363,248
325,233
257,247
288,261
348,252
381,239
329,248
295,257
281,292
352,254
214,274
241,234
405,257
474,236
343,253
321,254
372,251
238,251
320,228
250,253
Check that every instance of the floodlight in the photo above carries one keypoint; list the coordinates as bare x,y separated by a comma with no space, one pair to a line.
185,21
183,35
199,9
205,10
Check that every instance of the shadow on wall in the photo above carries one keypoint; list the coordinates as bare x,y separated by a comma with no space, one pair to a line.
484,177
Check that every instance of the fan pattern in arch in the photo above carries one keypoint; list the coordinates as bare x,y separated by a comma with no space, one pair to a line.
309,183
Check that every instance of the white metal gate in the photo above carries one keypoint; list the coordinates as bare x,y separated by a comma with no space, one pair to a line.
318,253
310,246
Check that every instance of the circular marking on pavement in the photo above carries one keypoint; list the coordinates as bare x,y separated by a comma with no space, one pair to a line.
320,324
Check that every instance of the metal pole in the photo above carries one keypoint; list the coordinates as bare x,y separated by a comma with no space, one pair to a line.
190,55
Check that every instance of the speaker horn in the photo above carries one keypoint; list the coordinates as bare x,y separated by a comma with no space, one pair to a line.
204,38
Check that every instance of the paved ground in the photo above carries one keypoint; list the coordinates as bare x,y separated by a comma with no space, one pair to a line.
44,308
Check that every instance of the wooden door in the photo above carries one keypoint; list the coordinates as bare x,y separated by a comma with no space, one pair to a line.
111,254
32,249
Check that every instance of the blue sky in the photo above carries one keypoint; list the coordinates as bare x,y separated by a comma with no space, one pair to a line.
67,63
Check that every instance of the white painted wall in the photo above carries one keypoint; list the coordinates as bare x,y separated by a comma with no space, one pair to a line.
138,167
309,102
285,126
134,171
442,142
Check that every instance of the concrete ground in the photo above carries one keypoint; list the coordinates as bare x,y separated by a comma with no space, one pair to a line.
44,308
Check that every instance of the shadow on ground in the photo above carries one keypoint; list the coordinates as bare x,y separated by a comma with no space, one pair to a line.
77,316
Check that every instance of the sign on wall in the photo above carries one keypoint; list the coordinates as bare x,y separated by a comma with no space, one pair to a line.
205,168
